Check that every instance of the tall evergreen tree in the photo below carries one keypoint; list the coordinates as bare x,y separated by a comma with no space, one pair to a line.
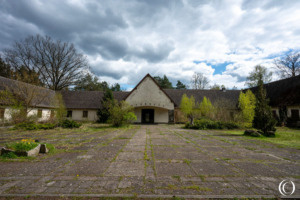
116,87
106,101
263,118
90,82
163,82
180,85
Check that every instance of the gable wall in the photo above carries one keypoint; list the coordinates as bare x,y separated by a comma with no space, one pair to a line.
149,94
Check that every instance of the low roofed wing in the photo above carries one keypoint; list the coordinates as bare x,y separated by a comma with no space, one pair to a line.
228,97
285,92
87,99
37,96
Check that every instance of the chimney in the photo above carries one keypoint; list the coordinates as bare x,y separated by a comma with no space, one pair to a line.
223,89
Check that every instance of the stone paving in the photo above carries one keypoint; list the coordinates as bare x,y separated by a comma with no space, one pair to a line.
153,160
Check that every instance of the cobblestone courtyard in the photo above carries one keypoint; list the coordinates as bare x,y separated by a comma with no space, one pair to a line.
150,161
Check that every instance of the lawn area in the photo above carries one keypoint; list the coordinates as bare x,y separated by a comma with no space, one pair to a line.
287,137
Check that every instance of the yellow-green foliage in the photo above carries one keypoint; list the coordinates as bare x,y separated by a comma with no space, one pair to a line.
206,108
247,105
187,104
121,113
189,107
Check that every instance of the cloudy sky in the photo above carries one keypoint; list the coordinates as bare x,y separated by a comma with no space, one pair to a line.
126,39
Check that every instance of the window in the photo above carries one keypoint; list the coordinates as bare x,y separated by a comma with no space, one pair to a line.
231,114
52,114
85,114
69,113
295,114
2,110
40,113
274,113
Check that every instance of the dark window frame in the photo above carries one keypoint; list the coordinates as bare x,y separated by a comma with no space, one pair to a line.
40,113
85,114
293,116
2,113
69,114
52,113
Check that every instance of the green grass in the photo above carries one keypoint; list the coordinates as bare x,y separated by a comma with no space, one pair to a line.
187,161
23,145
284,136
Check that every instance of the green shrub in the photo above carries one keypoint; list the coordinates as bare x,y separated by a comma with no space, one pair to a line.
209,124
46,126
33,126
69,124
9,155
24,145
121,113
25,126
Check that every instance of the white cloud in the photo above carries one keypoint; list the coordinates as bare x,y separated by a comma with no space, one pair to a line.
126,40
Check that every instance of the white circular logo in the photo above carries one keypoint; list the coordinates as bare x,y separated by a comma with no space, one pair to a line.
286,184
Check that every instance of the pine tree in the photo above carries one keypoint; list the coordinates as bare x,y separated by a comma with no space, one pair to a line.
180,85
263,119
106,101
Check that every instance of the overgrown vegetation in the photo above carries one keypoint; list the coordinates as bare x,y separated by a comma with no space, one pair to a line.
205,115
106,102
247,103
120,113
189,108
67,123
34,126
284,136
23,145
263,119
210,124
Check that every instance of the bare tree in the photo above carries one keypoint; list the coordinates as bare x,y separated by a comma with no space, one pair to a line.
260,73
289,66
199,81
57,63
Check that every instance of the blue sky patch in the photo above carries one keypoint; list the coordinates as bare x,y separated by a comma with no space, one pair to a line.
219,68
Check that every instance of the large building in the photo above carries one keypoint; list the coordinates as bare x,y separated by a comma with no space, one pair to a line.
152,104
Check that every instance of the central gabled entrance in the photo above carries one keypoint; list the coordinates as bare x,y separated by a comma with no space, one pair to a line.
147,116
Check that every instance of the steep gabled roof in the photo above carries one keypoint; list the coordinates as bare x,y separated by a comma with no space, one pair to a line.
148,75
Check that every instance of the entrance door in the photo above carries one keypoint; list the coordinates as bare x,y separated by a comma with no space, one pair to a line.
148,116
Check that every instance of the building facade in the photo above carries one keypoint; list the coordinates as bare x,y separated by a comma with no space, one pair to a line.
152,104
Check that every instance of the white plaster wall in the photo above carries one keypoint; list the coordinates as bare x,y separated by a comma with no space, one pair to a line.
289,108
138,113
7,113
77,115
46,113
32,112
149,94
160,115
